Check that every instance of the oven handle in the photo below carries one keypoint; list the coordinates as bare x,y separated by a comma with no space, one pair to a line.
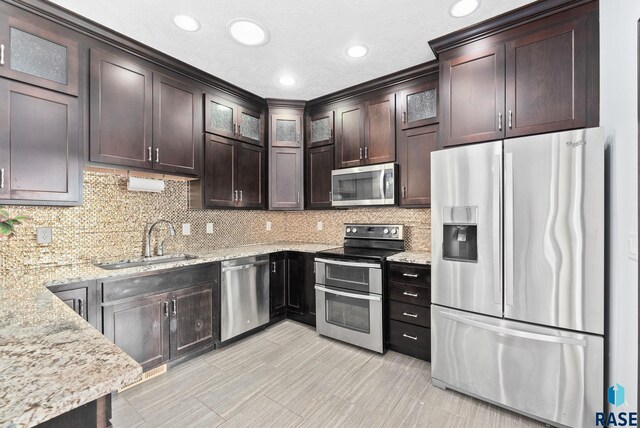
352,295
350,264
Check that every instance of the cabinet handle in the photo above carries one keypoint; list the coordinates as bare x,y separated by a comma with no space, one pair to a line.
404,116
298,138
1,178
81,307
174,305
406,293
499,121
157,155
410,275
330,134
2,54
298,197
360,153
404,192
149,149
235,198
166,309
366,152
330,197
235,128
409,314
273,267
241,196
510,119
410,337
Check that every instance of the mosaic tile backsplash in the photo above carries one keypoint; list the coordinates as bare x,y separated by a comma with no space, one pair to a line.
112,222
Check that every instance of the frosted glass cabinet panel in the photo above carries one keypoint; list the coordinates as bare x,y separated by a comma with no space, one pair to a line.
226,118
286,130
250,126
419,105
38,53
320,128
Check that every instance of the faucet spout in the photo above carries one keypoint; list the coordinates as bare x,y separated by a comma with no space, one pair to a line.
172,232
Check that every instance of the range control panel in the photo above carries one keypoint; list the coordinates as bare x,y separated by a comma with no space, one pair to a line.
374,231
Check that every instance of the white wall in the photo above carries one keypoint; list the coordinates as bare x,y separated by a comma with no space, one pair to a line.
618,114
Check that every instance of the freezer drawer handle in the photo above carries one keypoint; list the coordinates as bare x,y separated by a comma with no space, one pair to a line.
516,333
410,275
352,295
409,337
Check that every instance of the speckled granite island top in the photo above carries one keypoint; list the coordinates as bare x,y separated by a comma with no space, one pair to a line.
411,257
51,360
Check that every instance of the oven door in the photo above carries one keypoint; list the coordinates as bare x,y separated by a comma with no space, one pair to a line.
366,185
356,275
349,316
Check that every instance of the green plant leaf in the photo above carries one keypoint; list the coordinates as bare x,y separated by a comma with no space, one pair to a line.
6,229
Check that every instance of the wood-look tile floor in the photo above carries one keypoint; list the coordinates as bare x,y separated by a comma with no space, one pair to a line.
289,376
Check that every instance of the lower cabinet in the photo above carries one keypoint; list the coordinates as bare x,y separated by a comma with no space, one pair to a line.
277,285
81,297
292,292
409,323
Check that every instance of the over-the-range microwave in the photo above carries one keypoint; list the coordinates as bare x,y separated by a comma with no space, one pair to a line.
364,185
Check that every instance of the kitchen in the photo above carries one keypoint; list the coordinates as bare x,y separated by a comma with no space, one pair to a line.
110,223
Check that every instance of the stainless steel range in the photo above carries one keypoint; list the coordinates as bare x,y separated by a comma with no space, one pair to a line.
349,284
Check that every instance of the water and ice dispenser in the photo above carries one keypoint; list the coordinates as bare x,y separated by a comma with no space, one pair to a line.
460,234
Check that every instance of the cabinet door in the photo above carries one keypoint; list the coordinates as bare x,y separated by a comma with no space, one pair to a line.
318,176
277,284
249,176
192,319
121,111
176,125
250,126
295,282
350,136
309,286
547,80
286,130
472,96
220,161
140,328
414,157
220,116
286,179
39,145
38,52
76,300
419,105
320,129
380,130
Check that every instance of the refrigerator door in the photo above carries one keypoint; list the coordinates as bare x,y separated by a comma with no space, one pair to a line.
466,245
549,374
554,229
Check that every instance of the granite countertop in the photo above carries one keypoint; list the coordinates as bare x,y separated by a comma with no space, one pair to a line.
411,257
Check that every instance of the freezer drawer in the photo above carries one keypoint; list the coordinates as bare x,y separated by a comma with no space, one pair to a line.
548,374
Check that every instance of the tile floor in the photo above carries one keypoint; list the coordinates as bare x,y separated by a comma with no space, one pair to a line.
289,376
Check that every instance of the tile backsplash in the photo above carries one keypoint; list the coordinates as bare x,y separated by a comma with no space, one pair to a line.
111,225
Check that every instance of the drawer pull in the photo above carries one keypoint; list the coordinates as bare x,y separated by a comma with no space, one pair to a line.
410,337
406,293
409,314
410,275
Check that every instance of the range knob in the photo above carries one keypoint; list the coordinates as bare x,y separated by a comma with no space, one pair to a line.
348,229
385,231
354,230
394,231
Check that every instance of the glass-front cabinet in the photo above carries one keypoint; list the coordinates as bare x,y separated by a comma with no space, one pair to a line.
38,53
419,105
228,119
286,130
320,128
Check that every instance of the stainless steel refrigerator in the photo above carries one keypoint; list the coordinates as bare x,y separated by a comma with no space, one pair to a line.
518,274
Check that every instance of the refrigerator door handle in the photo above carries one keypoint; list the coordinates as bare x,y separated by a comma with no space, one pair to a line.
508,228
516,333
497,239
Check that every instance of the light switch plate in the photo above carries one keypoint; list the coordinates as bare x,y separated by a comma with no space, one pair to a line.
268,225
44,235
319,226
209,227
186,229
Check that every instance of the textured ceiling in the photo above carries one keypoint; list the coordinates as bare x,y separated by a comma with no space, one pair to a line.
308,39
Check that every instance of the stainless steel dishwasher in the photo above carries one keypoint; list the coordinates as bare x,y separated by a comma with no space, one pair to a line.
244,298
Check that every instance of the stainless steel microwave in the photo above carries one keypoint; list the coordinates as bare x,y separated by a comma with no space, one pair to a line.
364,185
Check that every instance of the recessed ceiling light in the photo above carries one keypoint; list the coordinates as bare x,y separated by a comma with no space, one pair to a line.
187,23
287,80
464,8
357,51
248,32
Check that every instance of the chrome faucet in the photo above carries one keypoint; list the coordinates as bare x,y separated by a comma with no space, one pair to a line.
172,231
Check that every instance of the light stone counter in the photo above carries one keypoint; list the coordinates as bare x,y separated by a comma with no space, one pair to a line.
415,257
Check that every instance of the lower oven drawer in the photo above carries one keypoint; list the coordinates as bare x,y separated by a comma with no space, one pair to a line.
410,339
411,314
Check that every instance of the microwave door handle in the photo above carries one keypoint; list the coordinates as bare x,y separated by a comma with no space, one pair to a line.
374,297
383,196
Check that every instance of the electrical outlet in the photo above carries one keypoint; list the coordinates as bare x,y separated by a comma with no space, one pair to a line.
186,229
209,227
319,226
268,225
44,235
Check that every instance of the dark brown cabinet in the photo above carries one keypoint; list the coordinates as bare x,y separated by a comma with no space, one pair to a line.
286,130
193,326
309,289
142,119
251,176
38,52
318,166
414,159
40,160
419,105
230,119
286,191
350,136
292,292
81,297
278,285
295,283
319,128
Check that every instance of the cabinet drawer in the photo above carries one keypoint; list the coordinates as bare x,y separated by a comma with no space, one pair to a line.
410,339
406,293
411,314
410,274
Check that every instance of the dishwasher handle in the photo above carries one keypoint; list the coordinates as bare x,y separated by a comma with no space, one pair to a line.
247,266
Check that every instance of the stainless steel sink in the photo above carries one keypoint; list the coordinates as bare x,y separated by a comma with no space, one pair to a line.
143,262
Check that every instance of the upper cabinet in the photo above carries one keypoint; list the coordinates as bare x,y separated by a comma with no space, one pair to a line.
38,52
419,105
229,119
532,79
143,119
286,130
365,132
319,128
319,159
